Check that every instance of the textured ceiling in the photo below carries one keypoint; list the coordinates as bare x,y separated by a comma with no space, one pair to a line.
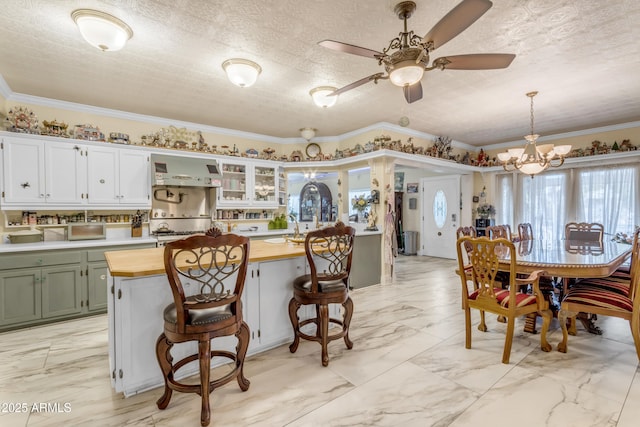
582,56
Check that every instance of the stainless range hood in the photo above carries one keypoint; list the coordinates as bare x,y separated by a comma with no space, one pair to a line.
184,171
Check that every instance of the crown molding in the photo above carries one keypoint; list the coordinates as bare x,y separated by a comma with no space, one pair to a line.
564,135
9,95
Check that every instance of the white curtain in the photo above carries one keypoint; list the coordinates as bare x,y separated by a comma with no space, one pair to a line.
504,200
608,195
543,202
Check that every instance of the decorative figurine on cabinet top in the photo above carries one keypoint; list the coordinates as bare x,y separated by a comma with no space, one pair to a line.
55,129
22,120
88,133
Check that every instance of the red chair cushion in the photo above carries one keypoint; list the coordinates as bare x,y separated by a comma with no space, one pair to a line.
618,284
598,297
503,297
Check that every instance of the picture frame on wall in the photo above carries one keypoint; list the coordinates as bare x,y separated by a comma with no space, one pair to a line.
412,187
398,181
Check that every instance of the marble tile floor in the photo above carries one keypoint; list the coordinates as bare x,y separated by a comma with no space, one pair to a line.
408,367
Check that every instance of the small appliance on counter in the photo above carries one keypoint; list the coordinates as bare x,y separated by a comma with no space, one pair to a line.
86,231
25,236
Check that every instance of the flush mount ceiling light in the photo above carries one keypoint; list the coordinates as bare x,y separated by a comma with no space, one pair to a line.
308,133
322,97
533,159
241,72
101,30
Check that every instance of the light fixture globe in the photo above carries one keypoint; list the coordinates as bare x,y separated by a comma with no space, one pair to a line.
308,133
101,30
321,98
533,158
241,72
404,68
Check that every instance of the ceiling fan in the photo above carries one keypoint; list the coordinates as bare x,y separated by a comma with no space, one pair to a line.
407,56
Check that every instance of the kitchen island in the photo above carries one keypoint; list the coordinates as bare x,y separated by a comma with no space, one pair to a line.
139,291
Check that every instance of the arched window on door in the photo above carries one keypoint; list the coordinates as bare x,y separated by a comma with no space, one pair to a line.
315,201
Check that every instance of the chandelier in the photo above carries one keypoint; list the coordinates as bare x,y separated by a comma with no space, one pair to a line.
533,158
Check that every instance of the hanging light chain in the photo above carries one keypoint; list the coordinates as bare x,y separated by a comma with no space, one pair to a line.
531,95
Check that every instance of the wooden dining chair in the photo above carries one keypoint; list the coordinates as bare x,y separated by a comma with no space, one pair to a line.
525,231
329,253
588,232
216,265
607,297
485,295
502,231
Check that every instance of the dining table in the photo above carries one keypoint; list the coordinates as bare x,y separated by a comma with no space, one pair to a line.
567,259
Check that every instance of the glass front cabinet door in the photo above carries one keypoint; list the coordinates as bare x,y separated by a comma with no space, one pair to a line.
234,185
264,186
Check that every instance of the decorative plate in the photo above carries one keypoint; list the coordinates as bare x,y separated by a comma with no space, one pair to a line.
313,150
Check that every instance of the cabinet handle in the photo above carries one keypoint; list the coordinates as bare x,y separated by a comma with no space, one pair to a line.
103,276
41,195
101,181
48,195
25,185
81,273
119,293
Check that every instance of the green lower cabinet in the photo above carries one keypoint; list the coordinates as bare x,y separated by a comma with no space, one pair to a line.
61,291
21,296
97,282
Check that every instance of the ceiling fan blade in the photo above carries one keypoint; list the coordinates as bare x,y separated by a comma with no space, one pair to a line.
456,21
357,83
475,61
413,93
349,48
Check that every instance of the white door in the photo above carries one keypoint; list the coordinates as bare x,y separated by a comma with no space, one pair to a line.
440,216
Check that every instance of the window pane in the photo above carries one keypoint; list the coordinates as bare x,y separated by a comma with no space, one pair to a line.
606,196
543,203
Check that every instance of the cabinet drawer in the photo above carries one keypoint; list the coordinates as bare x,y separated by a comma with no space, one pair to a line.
40,259
94,255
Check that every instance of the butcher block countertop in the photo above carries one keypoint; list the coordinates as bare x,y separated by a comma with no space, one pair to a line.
149,262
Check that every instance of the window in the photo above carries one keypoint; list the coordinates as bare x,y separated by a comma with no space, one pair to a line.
608,196
543,203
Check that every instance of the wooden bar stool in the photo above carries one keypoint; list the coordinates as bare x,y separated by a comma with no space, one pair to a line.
329,252
217,264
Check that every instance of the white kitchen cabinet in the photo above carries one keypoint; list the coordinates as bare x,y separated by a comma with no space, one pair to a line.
37,173
135,307
118,177
248,184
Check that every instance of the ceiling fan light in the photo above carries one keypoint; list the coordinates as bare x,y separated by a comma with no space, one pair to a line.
406,73
241,72
321,98
101,30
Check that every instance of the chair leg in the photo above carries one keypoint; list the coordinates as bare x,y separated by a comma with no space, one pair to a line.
562,318
467,327
483,325
293,315
546,321
204,357
635,331
323,328
241,351
348,313
511,322
163,354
